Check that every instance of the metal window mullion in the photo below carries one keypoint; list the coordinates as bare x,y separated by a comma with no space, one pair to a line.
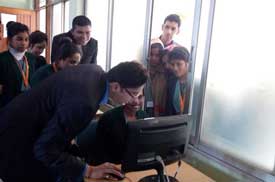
147,31
110,22
51,20
202,88
193,53
48,19
85,7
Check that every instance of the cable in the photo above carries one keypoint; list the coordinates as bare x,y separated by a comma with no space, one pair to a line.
158,158
177,171
179,162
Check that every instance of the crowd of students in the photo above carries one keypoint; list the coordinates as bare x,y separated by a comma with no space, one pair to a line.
47,108
168,89
23,57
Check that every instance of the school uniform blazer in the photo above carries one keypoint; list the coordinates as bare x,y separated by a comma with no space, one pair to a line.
89,51
111,134
11,77
37,127
39,62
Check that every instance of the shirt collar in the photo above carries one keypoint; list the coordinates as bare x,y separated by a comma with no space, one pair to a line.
17,55
166,45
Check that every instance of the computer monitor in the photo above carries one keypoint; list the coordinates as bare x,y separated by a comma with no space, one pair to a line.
150,140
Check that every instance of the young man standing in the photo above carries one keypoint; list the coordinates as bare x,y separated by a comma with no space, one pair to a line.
170,27
37,127
178,86
81,36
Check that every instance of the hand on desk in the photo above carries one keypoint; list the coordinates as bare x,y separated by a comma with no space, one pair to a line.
106,170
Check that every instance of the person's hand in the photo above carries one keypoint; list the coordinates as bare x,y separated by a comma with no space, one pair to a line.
103,171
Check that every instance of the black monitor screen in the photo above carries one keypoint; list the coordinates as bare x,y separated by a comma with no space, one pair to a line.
165,137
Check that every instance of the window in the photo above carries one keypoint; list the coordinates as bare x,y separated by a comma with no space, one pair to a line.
128,30
5,19
66,16
98,15
42,3
42,20
239,101
57,22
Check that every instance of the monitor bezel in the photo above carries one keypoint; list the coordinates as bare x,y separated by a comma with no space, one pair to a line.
151,123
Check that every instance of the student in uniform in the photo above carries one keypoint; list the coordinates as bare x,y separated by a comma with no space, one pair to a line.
110,132
69,55
16,64
38,43
178,85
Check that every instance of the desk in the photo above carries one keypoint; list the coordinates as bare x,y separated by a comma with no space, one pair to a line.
186,174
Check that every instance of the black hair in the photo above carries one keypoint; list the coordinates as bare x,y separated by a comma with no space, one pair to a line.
67,49
128,74
173,18
37,37
179,53
9,23
157,45
14,28
164,52
81,21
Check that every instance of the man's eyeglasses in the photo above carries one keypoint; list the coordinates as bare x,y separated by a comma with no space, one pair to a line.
131,94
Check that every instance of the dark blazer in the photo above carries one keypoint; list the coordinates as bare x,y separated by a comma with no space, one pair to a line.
39,62
37,127
110,137
89,51
10,76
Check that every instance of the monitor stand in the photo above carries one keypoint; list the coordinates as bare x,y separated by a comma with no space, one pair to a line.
160,177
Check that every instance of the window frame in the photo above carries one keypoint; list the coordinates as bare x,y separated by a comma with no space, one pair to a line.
49,21
199,88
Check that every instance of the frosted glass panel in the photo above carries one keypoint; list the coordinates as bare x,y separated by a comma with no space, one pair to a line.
128,30
238,111
97,11
57,20
5,19
66,16
42,22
